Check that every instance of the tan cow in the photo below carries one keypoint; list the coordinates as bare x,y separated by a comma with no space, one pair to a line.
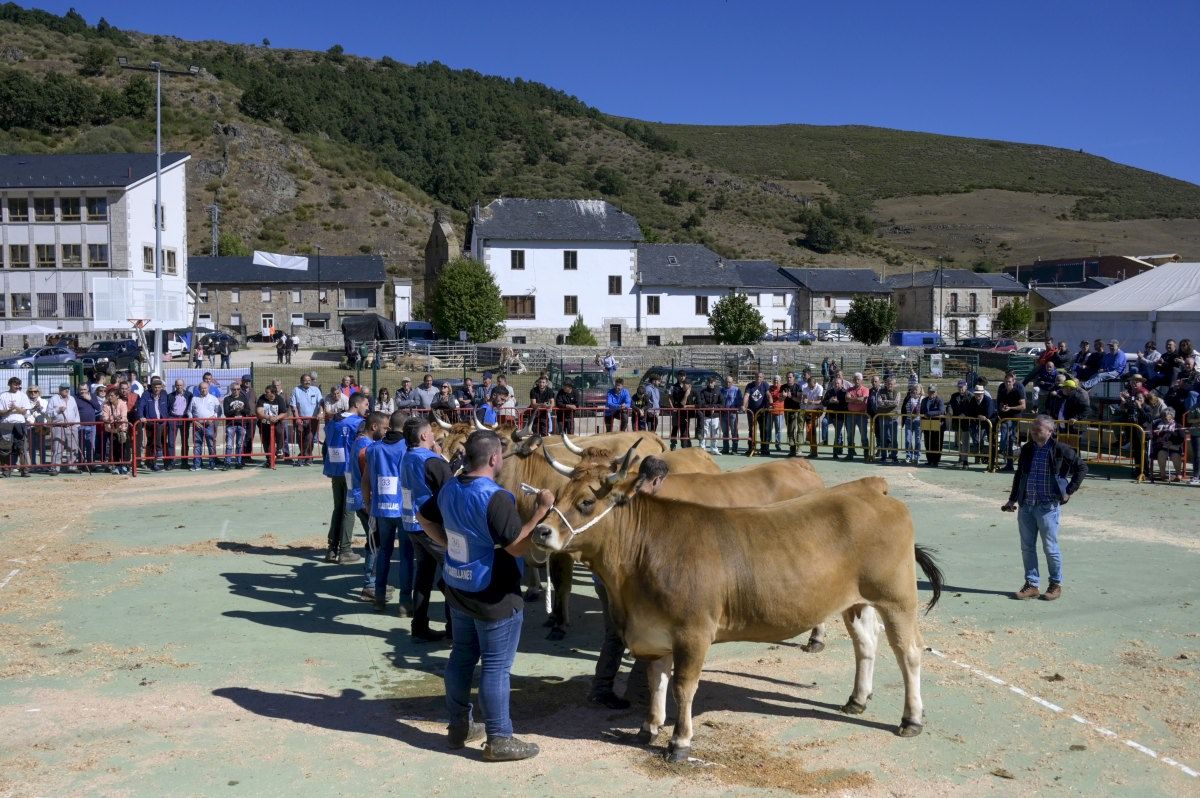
682,576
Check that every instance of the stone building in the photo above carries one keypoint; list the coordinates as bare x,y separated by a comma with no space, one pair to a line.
954,302
441,248
824,295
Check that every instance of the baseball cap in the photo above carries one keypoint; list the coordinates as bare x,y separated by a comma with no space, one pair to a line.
63,386
962,383
1070,384
932,389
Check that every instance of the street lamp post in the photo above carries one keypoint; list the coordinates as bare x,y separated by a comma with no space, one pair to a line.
319,311
159,217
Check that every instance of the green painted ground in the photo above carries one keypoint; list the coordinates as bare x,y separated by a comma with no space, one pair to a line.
178,635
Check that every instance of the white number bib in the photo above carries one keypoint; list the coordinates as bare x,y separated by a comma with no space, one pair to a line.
407,499
456,546
337,455
386,486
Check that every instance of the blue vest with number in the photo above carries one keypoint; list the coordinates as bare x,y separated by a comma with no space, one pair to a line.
335,457
470,551
354,499
413,487
384,463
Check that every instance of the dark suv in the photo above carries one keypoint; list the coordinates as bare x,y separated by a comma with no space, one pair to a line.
696,376
110,357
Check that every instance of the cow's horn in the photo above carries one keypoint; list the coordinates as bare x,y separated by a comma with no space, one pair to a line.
625,463
571,447
565,470
519,435
478,424
443,424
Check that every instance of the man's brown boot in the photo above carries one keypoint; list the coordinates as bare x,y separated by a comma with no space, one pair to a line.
1027,592
1052,592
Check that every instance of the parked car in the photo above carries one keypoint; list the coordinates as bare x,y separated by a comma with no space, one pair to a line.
211,339
1031,350
795,336
1001,345
40,356
591,383
916,338
110,357
697,376
973,343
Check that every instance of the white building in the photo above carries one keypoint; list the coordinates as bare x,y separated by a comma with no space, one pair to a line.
69,221
556,259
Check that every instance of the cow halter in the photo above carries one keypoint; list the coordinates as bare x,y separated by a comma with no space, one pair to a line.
574,531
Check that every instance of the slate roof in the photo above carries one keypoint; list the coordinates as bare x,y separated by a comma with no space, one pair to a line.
686,266
838,281
107,170
1002,283
1099,282
243,271
764,274
553,220
950,278
1061,296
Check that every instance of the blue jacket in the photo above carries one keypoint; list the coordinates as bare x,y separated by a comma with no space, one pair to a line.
171,401
145,406
732,397
1114,361
617,401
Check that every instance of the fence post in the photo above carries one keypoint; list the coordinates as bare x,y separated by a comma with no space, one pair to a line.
134,429
271,455
375,376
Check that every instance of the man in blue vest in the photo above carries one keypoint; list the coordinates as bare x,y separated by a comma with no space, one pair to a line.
477,521
335,456
381,494
369,432
423,472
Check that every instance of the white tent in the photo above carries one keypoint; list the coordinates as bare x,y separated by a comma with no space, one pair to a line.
1155,305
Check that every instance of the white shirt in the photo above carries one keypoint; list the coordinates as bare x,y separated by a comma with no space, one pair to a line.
812,396
205,406
15,407
62,411
136,387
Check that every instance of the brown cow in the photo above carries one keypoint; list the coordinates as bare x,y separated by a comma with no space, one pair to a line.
683,576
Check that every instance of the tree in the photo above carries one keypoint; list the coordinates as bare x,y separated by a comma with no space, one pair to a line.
871,319
266,42
467,298
1015,317
229,245
579,334
609,181
735,321
822,235
96,59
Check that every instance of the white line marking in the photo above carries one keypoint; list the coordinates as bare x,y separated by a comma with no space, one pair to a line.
17,560
33,710
8,578
1166,760
224,528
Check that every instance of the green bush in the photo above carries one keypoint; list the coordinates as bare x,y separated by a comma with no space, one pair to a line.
467,298
579,334
735,321
871,319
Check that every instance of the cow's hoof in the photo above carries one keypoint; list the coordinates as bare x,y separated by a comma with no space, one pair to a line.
909,728
557,633
677,755
644,737
813,647
852,707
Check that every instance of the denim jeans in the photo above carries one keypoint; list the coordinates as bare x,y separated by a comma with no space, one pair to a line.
493,644
235,435
888,444
204,433
912,439
391,532
87,444
729,430
857,423
1008,437
1032,520
427,561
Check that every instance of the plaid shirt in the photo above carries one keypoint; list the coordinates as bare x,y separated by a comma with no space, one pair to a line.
1039,485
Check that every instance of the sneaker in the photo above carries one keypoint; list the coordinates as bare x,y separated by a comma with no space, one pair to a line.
404,609
508,749
458,737
331,555
367,594
1053,592
348,558
1027,592
609,700
195,468
1194,481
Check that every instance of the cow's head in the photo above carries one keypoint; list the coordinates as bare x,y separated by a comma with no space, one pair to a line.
455,441
592,491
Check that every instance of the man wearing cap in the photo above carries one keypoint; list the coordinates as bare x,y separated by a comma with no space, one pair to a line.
1071,403
1081,358
15,412
1114,364
934,409
62,412
1048,474
979,407
155,409
1010,400
249,424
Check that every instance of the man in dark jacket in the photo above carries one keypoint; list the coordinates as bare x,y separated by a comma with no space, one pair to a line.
756,401
681,397
834,400
1048,474
89,415
154,408
1070,403
708,403
178,402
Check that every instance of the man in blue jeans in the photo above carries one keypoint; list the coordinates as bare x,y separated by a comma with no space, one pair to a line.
1048,474
477,522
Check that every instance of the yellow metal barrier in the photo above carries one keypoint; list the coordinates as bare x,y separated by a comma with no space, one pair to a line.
1112,443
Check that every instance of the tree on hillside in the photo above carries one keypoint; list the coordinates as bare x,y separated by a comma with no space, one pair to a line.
871,320
579,334
1015,317
467,298
735,321
229,245
96,59
822,235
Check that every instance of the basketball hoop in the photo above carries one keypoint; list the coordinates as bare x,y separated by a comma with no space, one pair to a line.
138,324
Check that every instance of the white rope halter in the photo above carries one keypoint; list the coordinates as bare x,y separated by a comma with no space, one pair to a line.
532,491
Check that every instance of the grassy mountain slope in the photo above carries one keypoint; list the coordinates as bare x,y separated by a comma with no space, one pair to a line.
303,149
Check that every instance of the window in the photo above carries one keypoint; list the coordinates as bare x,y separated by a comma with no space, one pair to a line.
779,300
974,329
995,301
614,284
653,340
46,256
235,319
297,320
98,256
18,210
701,306
47,305
652,305
358,298
954,328
322,297
570,305
73,306
70,209
97,209
170,266
519,307
148,258
267,321
972,302
204,319
3,306
72,256
22,306
570,260
953,301
235,296
264,295
43,209
517,259
828,301
18,256
202,295
753,298
518,339
296,297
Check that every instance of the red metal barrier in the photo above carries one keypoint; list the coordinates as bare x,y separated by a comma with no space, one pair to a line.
84,445
213,441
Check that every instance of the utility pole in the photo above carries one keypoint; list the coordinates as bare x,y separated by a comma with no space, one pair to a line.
214,212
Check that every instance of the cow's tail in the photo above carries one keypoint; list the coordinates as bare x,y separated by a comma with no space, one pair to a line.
924,558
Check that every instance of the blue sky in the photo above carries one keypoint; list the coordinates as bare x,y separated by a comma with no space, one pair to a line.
1117,79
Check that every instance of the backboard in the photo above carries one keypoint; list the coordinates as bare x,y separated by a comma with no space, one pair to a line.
116,300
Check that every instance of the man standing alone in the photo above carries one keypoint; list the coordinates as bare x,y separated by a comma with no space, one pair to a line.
1048,474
